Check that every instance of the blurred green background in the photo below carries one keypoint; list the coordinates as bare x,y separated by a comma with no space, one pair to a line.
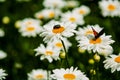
21,57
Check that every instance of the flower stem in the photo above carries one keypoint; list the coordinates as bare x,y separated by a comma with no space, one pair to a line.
47,74
66,56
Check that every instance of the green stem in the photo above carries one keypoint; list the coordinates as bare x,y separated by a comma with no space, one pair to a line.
66,56
62,62
47,74
95,67
97,71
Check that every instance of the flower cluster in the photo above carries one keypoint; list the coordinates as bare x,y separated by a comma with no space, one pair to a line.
62,25
57,24
58,74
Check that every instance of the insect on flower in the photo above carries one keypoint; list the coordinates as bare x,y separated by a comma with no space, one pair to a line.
56,26
96,34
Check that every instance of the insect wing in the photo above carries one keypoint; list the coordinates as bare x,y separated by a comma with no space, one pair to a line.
94,32
99,34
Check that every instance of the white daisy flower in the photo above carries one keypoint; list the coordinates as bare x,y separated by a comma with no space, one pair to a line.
2,74
113,62
48,14
58,44
2,33
96,45
82,10
87,31
110,7
2,54
37,74
48,52
56,29
40,14
72,3
68,74
73,17
54,3
90,43
30,27
106,51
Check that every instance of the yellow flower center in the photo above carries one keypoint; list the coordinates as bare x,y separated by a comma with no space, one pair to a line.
54,4
40,16
81,11
58,29
69,76
39,76
51,14
59,44
49,53
95,41
117,59
28,23
72,19
89,32
111,7
30,28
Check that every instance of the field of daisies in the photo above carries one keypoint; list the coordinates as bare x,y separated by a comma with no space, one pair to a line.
59,40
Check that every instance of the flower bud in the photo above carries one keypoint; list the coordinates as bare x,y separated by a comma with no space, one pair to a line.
6,20
62,54
81,50
17,24
92,71
97,57
91,61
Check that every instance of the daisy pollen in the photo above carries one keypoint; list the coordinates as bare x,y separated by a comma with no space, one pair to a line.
72,19
49,53
30,28
117,59
111,7
95,41
59,44
51,14
69,76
